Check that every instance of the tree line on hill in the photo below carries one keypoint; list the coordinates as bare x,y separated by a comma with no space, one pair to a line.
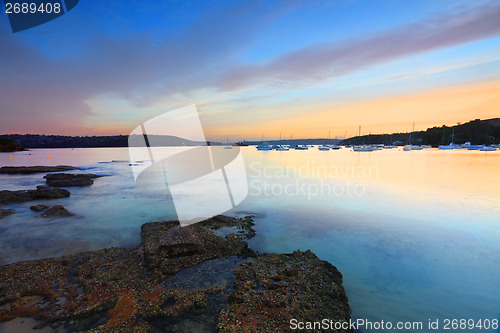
477,132
63,141
8,145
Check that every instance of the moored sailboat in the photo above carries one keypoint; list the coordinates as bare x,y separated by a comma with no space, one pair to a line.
361,147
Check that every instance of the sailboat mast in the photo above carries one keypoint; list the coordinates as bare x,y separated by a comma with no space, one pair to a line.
412,133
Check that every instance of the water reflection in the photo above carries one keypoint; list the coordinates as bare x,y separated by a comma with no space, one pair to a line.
422,241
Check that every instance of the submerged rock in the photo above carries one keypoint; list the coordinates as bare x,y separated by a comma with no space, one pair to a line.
35,169
41,192
4,212
39,208
68,179
143,289
57,211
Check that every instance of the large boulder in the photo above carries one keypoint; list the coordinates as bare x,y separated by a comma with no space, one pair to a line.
169,247
35,169
41,192
68,179
275,289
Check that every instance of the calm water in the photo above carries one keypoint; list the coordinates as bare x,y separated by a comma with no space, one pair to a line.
415,234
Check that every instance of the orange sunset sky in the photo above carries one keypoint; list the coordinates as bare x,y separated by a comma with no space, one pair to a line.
255,69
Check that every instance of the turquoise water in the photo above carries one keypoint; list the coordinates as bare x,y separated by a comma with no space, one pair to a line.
415,234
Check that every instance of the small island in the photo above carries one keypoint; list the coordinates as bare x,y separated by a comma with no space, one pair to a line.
8,145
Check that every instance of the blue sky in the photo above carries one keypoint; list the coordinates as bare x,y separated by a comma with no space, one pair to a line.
253,68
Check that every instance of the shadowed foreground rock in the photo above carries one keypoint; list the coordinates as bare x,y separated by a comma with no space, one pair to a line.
68,179
35,169
275,288
167,247
41,192
176,280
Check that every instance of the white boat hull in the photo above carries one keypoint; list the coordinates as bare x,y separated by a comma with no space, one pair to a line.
362,148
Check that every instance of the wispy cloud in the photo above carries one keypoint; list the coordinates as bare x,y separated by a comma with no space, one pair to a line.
40,91
443,69
43,93
324,61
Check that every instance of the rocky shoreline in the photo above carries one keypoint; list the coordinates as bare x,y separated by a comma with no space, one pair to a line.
68,179
199,278
179,279
35,169
52,189
41,192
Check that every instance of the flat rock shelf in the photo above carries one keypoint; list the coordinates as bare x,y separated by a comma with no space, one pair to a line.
179,279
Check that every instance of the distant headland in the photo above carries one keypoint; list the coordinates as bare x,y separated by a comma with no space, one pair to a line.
477,132
8,145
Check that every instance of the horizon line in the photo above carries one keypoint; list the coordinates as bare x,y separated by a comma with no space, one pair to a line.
309,138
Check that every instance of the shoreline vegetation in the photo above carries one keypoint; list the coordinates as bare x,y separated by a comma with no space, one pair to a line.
9,146
202,277
475,131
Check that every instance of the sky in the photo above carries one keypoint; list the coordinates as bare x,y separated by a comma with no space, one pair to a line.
254,68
